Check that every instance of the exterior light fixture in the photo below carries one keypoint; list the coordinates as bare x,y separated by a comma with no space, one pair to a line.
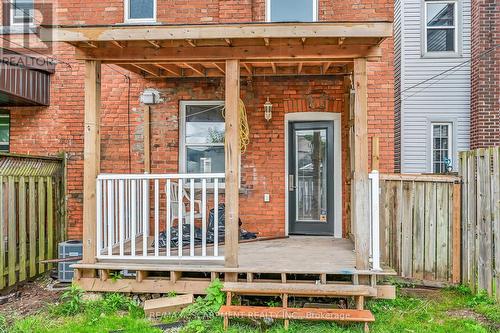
268,110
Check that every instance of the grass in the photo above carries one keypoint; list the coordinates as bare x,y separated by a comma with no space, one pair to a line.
451,310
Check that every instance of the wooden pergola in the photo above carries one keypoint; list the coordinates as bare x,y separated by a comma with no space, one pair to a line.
230,51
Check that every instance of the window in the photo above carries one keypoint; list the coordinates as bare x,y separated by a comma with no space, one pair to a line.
140,11
441,147
299,11
202,130
440,26
22,12
4,131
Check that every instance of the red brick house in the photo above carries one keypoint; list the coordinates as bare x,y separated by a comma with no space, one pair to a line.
328,84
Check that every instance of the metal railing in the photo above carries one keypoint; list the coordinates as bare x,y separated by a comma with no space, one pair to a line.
158,216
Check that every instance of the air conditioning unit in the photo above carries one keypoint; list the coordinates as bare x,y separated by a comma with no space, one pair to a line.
71,248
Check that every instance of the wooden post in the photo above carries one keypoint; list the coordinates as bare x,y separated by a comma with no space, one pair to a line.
375,153
360,205
232,156
147,139
91,154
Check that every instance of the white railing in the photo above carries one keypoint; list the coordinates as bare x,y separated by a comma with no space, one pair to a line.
374,182
138,216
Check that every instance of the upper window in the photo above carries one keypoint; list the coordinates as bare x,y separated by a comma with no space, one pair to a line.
22,12
202,131
440,26
4,131
299,11
140,11
441,147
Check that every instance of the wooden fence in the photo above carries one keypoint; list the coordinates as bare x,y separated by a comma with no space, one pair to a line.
420,226
480,170
32,214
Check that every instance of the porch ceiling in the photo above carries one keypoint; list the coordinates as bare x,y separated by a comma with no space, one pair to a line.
264,49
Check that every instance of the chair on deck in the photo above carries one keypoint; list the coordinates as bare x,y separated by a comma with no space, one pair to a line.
175,203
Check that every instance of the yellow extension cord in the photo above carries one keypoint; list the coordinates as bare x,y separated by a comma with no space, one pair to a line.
244,129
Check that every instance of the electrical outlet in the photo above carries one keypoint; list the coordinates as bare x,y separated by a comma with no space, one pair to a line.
267,198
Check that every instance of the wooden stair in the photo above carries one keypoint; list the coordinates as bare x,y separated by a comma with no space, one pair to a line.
359,292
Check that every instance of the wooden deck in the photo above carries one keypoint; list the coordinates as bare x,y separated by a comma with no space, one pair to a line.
322,259
293,255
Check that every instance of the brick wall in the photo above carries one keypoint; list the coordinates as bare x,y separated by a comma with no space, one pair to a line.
59,128
485,101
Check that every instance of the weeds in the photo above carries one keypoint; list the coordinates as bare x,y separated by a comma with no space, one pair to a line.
72,301
208,306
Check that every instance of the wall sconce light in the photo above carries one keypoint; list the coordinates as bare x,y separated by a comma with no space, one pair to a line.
268,110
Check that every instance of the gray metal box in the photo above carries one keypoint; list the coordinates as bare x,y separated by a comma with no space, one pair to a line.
71,248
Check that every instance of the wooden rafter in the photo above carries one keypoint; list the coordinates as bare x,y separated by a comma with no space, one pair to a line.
170,68
118,44
154,43
219,67
248,67
326,66
196,67
148,69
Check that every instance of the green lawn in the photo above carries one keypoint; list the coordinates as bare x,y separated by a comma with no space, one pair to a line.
452,310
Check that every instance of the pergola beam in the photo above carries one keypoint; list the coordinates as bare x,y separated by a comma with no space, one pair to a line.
213,54
216,31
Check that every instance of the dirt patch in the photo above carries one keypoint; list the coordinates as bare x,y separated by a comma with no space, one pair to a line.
471,314
30,298
422,293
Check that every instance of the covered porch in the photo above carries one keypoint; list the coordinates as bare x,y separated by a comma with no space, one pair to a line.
126,216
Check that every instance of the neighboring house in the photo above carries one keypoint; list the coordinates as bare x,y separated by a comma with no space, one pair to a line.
432,47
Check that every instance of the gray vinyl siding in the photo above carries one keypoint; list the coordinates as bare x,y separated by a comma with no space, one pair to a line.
442,99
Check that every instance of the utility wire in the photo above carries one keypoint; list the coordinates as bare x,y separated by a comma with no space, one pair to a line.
483,54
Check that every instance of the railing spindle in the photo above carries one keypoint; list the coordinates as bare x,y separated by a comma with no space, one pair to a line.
111,217
191,229
145,217
204,217
180,198
169,207
157,217
121,216
133,221
216,217
99,242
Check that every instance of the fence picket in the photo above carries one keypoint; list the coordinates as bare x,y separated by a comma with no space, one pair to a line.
495,186
50,220
41,225
32,225
430,232
418,230
22,228
471,218
12,233
2,236
407,229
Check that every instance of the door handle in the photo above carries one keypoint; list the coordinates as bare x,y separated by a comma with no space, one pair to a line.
291,183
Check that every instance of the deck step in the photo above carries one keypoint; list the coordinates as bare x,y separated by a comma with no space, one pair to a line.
345,315
299,289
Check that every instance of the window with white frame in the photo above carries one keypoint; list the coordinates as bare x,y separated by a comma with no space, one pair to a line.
137,11
441,147
4,131
297,11
22,12
441,26
202,131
